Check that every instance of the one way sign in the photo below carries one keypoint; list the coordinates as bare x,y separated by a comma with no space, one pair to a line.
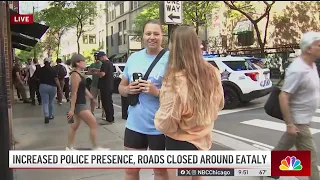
172,12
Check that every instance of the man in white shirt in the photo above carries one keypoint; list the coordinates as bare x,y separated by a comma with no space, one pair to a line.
299,99
67,81
33,90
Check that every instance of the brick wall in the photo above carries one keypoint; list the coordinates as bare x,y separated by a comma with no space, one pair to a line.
5,44
5,29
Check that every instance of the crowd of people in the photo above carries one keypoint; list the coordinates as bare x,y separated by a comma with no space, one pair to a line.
174,96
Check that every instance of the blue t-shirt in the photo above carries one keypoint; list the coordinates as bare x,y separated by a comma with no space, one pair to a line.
141,116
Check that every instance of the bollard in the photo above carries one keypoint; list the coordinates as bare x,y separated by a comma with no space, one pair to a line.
124,107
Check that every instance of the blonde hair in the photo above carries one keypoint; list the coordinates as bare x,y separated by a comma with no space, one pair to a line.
202,81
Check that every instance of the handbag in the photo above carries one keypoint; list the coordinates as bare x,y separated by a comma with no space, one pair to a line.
133,99
272,106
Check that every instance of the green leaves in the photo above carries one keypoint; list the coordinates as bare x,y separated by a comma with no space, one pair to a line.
194,12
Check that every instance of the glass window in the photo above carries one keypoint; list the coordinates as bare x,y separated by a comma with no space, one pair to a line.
213,63
121,8
92,39
124,25
85,39
120,39
120,26
240,65
111,36
124,38
91,21
122,68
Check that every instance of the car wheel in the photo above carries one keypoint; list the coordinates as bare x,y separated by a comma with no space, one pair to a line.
231,98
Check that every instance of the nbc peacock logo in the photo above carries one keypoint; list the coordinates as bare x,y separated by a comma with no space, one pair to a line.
290,164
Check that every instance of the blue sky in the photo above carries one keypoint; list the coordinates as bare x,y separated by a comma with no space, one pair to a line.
26,7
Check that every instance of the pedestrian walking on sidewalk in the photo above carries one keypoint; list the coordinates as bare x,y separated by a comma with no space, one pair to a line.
140,132
49,84
34,82
190,98
79,110
62,74
299,99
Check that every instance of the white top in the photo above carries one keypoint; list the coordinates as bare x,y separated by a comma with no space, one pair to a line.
302,82
32,68
67,68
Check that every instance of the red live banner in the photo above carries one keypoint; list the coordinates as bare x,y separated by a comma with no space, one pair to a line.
21,19
290,163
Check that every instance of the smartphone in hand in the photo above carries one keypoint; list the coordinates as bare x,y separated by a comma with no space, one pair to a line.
70,119
136,76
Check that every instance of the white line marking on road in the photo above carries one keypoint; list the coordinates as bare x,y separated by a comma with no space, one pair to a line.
316,119
254,143
117,106
272,125
318,111
227,111
242,138
261,147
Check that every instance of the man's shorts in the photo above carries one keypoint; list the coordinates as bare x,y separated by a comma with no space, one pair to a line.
95,92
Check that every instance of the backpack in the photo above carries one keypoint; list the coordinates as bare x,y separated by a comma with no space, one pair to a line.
61,71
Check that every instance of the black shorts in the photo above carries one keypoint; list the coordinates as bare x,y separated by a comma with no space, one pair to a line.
137,140
172,144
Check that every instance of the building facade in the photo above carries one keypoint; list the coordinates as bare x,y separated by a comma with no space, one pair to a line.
120,18
89,40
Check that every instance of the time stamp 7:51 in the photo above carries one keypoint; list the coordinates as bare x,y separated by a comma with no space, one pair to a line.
223,172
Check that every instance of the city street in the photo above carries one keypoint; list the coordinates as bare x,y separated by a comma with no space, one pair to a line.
243,128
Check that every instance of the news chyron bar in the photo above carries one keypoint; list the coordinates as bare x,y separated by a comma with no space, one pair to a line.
187,163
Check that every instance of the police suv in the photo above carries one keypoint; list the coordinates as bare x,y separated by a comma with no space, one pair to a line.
241,80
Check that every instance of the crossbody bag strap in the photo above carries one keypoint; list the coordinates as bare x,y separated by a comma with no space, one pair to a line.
155,61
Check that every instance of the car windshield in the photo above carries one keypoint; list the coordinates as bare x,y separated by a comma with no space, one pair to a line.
240,65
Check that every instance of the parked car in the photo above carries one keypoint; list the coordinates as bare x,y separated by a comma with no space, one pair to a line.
242,81
117,74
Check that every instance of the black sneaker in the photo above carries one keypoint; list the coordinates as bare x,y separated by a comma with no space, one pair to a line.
51,117
274,177
46,120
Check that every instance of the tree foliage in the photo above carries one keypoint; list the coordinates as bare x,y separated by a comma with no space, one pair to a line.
246,9
194,12
82,12
58,18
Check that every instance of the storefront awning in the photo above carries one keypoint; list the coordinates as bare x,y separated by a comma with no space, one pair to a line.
21,46
26,34
19,38
243,27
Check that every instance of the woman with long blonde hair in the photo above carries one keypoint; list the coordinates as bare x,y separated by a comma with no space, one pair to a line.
190,97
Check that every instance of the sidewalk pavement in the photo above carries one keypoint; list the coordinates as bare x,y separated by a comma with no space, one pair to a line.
32,134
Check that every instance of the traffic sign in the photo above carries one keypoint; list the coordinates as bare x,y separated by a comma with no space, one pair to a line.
172,12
